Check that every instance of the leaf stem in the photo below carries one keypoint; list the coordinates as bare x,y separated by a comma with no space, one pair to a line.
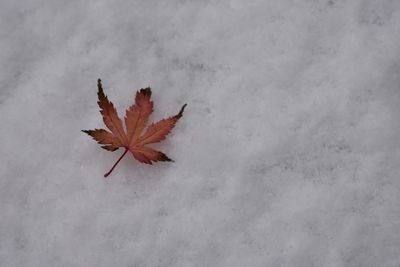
110,171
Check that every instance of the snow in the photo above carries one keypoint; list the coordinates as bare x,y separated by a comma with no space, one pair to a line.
287,154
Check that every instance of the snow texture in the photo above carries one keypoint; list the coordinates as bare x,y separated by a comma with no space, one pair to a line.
287,155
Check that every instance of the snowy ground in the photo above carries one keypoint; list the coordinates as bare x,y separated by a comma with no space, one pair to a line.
288,153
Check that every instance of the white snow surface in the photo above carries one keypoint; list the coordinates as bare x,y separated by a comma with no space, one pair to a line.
288,153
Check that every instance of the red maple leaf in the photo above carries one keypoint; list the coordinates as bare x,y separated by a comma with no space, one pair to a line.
136,118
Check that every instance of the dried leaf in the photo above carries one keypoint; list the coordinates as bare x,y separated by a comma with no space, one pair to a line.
136,119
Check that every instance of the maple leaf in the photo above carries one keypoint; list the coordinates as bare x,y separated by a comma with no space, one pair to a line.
136,119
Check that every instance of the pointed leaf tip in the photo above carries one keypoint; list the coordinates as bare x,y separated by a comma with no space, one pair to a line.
109,148
99,86
146,92
164,157
179,115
